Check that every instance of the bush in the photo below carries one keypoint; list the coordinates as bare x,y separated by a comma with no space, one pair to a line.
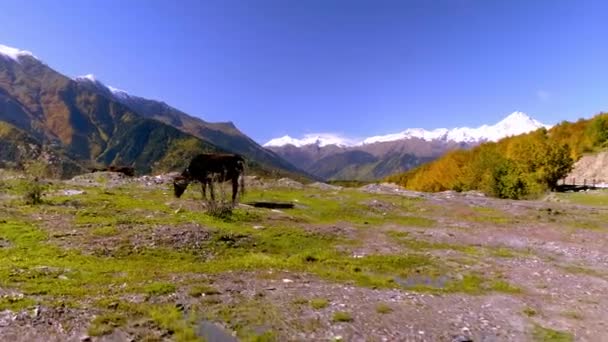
219,209
33,192
221,206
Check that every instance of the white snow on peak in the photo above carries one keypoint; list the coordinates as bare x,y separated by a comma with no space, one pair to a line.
319,139
514,124
92,78
13,53
87,77
118,92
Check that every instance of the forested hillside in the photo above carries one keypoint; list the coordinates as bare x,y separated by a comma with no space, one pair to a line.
514,167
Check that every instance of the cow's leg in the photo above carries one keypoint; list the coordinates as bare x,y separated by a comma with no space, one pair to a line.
204,189
211,191
235,189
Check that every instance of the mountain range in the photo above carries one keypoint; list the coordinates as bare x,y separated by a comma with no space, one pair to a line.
77,123
333,157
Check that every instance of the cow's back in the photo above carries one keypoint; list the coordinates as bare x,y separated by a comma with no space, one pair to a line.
203,165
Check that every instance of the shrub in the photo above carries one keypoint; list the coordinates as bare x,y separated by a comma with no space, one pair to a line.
342,316
219,209
33,192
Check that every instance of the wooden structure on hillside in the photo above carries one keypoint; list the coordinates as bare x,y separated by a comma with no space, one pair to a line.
576,187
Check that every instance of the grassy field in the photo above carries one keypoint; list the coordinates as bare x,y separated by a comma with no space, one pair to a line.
132,261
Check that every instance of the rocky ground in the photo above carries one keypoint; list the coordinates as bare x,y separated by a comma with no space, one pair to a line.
108,258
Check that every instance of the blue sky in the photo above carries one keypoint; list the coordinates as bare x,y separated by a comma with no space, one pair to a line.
353,67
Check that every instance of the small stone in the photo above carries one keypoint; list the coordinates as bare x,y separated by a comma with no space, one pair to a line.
36,312
420,332
258,227
286,281
461,338
86,338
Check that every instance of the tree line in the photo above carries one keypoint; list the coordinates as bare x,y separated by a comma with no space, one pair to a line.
515,167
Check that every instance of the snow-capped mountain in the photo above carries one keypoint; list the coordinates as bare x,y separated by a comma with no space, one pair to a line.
332,156
119,92
92,80
13,53
321,139
514,124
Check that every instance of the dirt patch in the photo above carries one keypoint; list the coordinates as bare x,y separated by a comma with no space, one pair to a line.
342,230
41,323
410,316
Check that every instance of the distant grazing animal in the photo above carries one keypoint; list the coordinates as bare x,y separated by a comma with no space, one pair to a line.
125,170
206,168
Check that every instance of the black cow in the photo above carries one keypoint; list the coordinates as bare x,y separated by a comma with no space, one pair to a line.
206,168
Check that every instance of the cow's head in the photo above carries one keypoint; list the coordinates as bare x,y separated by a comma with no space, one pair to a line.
180,183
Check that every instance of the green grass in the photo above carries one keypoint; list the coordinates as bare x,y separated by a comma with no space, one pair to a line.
576,269
106,323
503,252
159,289
596,198
504,287
34,263
347,205
105,231
490,215
530,312
319,303
341,316
15,303
573,315
203,289
249,318
383,308
542,334
170,318
414,244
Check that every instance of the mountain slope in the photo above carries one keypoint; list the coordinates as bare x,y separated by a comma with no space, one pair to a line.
89,125
18,149
225,135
